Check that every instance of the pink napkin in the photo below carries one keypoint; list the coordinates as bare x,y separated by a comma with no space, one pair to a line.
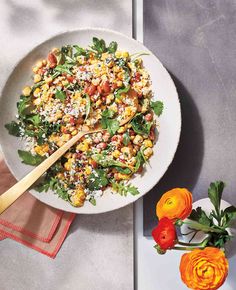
32,223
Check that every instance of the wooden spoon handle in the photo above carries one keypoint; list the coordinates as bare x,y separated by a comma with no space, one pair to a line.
8,197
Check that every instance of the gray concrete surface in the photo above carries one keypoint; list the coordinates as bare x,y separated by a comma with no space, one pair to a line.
98,252
196,42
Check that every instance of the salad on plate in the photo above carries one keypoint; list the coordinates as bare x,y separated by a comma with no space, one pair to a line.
77,89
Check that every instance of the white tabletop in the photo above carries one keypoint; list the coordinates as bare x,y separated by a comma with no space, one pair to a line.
98,252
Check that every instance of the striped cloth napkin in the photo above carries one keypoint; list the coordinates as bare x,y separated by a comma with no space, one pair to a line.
32,223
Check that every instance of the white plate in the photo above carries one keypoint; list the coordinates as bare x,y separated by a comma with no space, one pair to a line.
164,90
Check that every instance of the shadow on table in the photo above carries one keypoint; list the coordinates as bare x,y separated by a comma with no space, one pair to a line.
119,221
186,166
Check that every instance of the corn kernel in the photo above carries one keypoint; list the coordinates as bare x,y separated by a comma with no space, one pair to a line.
88,170
41,149
138,140
83,146
98,103
37,78
68,164
39,64
118,54
78,198
119,83
26,91
148,152
48,80
116,153
122,129
125,54
147,143
74,132
36,92
35,69
65,137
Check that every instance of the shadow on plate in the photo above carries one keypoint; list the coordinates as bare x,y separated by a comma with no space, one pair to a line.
186,166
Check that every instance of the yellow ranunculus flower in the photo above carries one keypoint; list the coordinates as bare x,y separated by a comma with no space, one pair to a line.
175,204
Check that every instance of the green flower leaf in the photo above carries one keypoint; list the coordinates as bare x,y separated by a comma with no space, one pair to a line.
215,194
200,216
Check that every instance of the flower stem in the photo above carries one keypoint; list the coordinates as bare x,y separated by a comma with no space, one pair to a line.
204,228
186,248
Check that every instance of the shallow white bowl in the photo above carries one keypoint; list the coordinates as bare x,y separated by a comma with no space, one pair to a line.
163,87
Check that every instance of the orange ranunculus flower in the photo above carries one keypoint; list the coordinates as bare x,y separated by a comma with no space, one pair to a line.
204,269
175,204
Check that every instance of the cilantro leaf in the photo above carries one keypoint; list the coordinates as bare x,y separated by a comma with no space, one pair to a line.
157,107
29,159
34,119
112,47
200,216
215,194
99,45
64,68
97,180
60,95
108,113
123,189
13,129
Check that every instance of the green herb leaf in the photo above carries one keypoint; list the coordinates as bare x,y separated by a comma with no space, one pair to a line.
35,120
112,47
123,90
123,170
200,216
60,95
123,189
28,158
107,161
64,68
108,113
13,129
97,180
157,107
92,200
111,125
99,45
23,106
140,125
139,161
126,138
215,194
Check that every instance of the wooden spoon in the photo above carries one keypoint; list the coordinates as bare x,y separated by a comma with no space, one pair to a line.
11,195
